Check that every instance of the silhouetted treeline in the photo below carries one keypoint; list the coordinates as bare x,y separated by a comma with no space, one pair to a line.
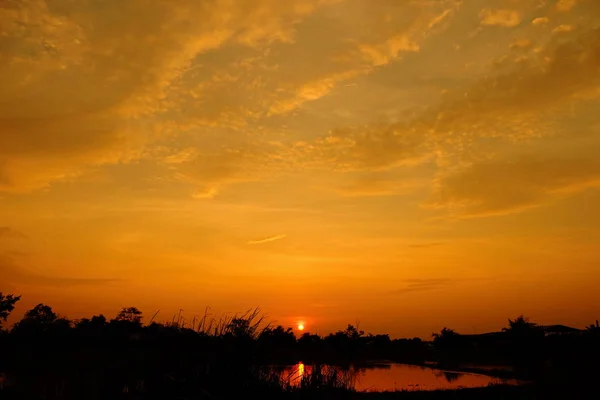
45,355
547,354
48,356
244,337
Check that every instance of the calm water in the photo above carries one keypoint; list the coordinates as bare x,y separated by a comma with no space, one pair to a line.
389,377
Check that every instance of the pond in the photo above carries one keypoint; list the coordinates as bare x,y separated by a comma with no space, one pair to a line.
391,377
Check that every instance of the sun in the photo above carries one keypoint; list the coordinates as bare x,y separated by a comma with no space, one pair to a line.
300,326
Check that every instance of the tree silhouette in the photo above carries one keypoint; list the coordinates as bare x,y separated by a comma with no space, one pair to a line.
99,320
7,305
525,344
278,336
593,328
240,327
308,339
447,346
445,337
448,375
243,326
129,314
276,342
41,314
522,327
41,319
166,357
353,333
95,323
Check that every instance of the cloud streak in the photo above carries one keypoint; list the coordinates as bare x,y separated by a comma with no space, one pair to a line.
421,285
267,239
508,111
98,86
504,18
15,274
425,245
499,187
8,232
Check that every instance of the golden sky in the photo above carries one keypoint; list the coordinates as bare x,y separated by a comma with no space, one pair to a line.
409,164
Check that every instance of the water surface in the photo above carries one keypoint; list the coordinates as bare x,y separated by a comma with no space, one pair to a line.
390,377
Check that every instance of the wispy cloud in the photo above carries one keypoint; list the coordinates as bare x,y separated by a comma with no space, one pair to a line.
507,111
267,239
565,5
14,274
419,285
425,245
563,28
506,18
374,185
540,21
7,232
512,185
43,139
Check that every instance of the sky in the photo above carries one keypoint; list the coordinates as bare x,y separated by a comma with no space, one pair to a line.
401,164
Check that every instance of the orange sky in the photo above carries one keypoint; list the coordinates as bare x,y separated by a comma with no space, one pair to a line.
409,164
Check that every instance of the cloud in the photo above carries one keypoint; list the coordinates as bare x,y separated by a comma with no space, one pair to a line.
13,274
311,91
438,19
511,105
86,86
271,21
353,58
508,108
247,93
7,232
494,104
267,239
384,53
521,44
425,245
504,186
565,5
63,281
38,151
503,105
421,285
373,185
373,55
505,18
372,147
563,28
209,171
540,21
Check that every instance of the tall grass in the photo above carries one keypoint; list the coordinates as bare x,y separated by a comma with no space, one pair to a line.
313,378
250,323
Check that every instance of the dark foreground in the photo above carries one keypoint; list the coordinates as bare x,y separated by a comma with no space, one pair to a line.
47,357
493,392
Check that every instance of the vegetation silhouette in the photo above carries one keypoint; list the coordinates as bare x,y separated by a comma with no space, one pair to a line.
7,305
47,356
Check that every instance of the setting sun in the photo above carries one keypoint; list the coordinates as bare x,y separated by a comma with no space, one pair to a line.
264,150
405,181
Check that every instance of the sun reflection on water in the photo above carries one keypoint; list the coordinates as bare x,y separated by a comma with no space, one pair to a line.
390,377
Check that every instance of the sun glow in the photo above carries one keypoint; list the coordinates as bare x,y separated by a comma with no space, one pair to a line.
301,326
